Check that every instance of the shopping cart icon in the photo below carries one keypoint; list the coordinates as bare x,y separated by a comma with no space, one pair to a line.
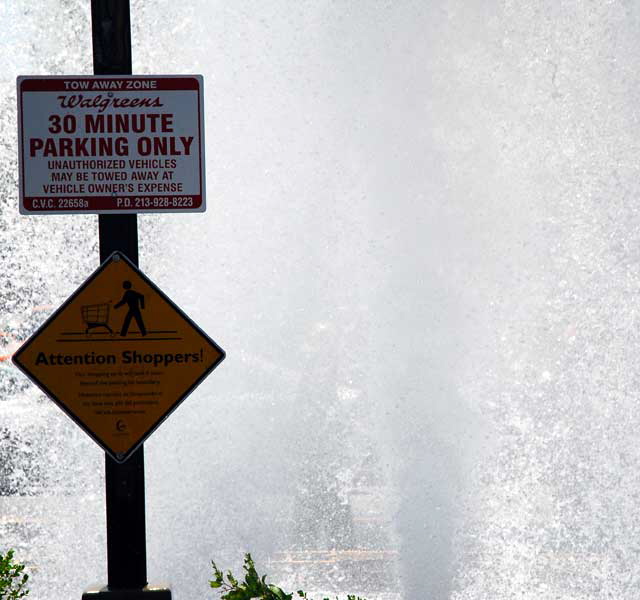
96,315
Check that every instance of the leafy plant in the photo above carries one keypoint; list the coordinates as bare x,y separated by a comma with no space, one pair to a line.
253,585
13,579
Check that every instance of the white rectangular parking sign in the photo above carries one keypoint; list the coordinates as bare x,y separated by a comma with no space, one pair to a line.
111,144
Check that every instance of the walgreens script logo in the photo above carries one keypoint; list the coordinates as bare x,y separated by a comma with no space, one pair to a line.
103,102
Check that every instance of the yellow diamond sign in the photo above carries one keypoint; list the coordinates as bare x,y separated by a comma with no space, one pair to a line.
118,356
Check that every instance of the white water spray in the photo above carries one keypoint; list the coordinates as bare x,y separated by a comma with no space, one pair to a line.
420,256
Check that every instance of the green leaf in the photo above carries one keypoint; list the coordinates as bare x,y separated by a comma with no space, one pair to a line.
232,580
279,593
237,594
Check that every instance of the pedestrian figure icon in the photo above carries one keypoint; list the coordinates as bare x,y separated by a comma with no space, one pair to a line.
135,302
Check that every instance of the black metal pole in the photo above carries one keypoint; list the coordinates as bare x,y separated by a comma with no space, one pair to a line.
126,538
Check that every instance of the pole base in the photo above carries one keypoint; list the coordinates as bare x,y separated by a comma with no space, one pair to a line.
148,592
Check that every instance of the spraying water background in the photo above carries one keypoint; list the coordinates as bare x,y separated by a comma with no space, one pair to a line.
421,256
